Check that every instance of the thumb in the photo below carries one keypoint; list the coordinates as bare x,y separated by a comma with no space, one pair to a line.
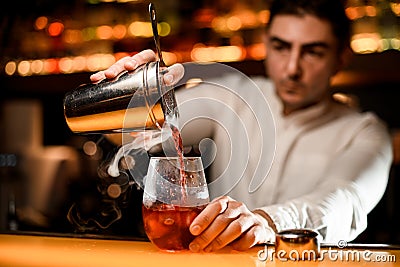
174,74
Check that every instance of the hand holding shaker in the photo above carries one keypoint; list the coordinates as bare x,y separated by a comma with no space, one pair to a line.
134,101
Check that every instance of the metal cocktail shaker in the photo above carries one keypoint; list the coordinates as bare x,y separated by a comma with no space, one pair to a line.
134,101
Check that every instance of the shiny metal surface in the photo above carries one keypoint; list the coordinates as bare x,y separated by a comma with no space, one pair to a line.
134,101
297,244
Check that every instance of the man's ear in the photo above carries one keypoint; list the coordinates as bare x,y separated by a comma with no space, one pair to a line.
345,58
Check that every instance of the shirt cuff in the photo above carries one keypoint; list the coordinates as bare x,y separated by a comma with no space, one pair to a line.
269,225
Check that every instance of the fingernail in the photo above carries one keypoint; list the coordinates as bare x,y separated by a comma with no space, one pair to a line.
168,79
194,247
195,230
96,78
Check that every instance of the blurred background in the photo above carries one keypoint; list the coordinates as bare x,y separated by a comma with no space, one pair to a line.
51,180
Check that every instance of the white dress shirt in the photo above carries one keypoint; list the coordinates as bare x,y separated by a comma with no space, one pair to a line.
324,168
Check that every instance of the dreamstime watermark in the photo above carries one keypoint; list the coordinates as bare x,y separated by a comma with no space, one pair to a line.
340,253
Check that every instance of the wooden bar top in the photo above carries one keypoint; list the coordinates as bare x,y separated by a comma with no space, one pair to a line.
59,251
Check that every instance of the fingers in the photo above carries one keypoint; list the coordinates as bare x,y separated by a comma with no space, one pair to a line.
125,63
234,223
140,58
248,239
204,220
174,74
113,70
231,232
228,222
98,76
207,216
225,221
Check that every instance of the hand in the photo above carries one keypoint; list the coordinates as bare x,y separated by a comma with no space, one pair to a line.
226,221
130,63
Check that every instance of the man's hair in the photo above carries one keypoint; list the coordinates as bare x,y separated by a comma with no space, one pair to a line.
332,11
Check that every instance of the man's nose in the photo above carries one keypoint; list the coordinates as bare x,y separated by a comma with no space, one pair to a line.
294,65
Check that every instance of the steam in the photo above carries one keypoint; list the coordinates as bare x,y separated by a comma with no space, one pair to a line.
103,207
143,140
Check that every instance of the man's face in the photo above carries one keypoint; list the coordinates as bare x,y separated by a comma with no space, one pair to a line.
302,56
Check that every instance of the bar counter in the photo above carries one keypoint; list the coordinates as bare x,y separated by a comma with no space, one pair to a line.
59,251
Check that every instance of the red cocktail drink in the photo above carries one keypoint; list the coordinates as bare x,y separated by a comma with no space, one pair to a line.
167,226
175,192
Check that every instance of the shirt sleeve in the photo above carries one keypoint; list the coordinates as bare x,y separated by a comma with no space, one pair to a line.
354,183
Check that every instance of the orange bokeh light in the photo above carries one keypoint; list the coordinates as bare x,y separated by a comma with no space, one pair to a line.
55,29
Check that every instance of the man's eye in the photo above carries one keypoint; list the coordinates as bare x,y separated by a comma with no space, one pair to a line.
279,47
313,53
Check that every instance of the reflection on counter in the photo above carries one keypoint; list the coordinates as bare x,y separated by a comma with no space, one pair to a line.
69,252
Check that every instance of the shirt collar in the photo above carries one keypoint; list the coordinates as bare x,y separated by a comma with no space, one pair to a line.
304,116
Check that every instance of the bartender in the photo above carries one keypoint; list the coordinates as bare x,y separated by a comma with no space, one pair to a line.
331,163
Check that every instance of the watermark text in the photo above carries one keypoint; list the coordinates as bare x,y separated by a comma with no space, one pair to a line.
334,254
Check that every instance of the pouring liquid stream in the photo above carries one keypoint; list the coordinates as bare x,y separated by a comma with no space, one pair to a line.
176,136
168,228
